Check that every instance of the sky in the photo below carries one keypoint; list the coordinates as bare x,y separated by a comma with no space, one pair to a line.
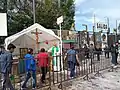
86,9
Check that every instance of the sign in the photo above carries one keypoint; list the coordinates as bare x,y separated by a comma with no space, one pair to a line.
101,26
59,20
3,24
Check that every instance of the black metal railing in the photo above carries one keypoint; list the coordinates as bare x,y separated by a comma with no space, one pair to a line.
93,63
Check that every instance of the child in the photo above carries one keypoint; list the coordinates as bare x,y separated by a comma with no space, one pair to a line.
30,66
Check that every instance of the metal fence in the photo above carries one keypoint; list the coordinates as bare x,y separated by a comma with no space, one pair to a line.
93,63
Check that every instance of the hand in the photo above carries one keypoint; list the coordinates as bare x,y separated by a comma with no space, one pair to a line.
10,75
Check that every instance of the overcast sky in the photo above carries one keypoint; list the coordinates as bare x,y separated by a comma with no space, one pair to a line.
85,10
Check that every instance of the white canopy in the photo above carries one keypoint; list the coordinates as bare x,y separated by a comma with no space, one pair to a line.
27,38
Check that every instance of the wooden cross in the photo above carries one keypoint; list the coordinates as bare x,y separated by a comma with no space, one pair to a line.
37,37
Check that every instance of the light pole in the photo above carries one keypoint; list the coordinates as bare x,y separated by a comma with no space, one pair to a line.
34,18
116,29
94,28
108,31
86,32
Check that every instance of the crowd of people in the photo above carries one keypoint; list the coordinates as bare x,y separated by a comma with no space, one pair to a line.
112,50
43,60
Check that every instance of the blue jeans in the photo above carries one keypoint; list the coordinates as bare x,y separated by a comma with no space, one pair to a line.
28,77
114,59
6,82
72,68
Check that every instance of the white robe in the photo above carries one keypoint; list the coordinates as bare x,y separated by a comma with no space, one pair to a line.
56,59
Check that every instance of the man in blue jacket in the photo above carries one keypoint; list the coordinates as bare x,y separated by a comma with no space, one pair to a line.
30,66
6,65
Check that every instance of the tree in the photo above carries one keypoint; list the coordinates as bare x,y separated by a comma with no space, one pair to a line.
49,11
68,9
20,13
3,6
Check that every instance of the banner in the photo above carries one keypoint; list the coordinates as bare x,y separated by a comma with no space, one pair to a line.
3,24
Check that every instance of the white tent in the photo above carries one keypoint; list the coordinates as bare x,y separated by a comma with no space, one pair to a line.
27,38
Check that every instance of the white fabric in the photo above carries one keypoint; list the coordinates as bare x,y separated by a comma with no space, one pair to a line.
26,38
56,59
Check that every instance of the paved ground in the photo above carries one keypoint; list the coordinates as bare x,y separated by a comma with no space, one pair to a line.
98,83
108,81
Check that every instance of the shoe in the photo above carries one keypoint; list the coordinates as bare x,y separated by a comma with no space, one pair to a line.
112,65
43,81
72,77
115,67
23,88
33,88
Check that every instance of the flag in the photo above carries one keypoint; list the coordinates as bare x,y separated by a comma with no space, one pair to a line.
114,30
73,27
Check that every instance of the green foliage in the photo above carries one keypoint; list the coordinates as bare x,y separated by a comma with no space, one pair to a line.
20,13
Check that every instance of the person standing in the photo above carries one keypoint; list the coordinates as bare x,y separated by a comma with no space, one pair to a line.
91,49
106,49
72,59
113,53
30,66
98,50
117,52
42,58
86,50
6,65
55,50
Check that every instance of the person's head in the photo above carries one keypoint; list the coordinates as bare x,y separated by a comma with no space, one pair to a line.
42,50
72,47
11,47
55,44
30,51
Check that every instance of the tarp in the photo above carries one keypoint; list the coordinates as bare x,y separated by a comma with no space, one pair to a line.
27,38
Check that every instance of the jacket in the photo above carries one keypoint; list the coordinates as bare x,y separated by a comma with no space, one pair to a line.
6,62
42,59
71,55
30,63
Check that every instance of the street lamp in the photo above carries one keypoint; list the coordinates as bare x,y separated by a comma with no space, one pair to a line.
108,31
107,21
85,27
117,24
116,29
34,18
94,28
86,30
